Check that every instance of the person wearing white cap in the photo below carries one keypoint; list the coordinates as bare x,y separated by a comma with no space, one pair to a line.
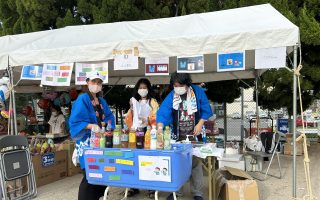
89,112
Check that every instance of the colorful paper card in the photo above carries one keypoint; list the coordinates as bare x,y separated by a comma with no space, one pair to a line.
127,172
109,169
155,168
190,64
124,162
91,159
93,167
113,153
157,66
127,59
95,175
232,61
93,152
114,178
82,70
111,161
101,160
57,74
32,72
128,155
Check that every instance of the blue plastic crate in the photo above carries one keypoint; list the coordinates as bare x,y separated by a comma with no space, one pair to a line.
162,170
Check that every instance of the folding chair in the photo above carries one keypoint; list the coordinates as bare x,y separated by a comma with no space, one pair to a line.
15,165
267,139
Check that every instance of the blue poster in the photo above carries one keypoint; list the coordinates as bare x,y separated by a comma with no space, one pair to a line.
231,61
47,159
283,125
192,64
32,72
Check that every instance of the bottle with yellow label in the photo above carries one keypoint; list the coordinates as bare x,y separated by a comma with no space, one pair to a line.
132,138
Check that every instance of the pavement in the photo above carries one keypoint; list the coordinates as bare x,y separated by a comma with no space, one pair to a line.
271,189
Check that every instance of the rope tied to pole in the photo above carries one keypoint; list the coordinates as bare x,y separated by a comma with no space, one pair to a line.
297,71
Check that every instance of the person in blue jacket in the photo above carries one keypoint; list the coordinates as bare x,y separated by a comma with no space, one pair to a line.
186,108
89,112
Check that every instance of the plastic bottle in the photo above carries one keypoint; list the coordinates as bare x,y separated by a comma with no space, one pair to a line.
132,138
160,138
153,135
116,138
167,138
102,138
109,136
147,138
92,136
140,138
124,137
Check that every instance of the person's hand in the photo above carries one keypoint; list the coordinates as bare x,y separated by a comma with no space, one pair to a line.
197,129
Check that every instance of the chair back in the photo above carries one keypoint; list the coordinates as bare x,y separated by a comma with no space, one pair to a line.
269,141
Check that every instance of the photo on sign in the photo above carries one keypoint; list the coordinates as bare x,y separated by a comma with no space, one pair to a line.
57,74
155,168
270,58
32,72
82,70
191,64
157,66
233,61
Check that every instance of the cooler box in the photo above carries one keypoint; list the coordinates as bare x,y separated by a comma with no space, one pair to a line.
162,170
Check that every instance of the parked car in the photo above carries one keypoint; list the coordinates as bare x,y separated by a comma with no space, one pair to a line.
236,115
307,122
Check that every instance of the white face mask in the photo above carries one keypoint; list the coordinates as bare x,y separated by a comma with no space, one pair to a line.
94,88
143,92
180,90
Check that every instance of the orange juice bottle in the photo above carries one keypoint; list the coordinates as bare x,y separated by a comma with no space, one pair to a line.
147,138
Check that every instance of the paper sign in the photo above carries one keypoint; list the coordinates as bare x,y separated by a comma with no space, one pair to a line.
93,167
270,58
57,74
233,61
157,66
128,155
192,64
83,68
124,162
109,169
126,59
91,159
101,160
155,168
113,153
95,175
114,178
32,72
93,152
47,159
128,172
111,161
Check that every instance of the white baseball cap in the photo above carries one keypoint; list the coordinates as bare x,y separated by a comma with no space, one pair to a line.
94,75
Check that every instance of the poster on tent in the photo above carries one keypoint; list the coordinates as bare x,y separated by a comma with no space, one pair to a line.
270,58
57,74
232,61
127,59
157,66
32,72
190,64
82,69
155,168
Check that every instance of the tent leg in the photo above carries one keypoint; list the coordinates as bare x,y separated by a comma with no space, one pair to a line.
242,118
294,170
15,128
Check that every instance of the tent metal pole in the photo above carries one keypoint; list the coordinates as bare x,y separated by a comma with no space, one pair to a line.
294,170
225,126
242,118
257,106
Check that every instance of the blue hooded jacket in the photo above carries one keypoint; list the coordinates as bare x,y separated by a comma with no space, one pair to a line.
165,112
82,114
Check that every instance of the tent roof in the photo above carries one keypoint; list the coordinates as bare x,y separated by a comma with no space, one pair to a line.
246,28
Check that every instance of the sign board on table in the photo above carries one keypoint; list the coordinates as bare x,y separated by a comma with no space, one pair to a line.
47,159
82,69
127,59
157,66
32,72
283,125
270,58
230,61
57,74
190,64
155,168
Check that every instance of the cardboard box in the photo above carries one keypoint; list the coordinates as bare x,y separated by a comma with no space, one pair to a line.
235,184
234,161
54,171
69,147
288,148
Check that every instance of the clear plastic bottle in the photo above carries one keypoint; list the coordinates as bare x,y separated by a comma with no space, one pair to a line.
116,137
132,138
102,138
92,137
147,138
109,135
167,138
160,138
153,135
124,137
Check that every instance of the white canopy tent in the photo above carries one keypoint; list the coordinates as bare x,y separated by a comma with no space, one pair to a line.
243,29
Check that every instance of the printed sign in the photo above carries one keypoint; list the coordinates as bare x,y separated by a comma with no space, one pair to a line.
283,125
157,66
93,152
155,168
82,69
192,64
126,59
233,61
95,175
32,72
270,58
57,74
47,159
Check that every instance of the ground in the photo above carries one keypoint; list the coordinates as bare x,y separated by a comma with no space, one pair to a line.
271,189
